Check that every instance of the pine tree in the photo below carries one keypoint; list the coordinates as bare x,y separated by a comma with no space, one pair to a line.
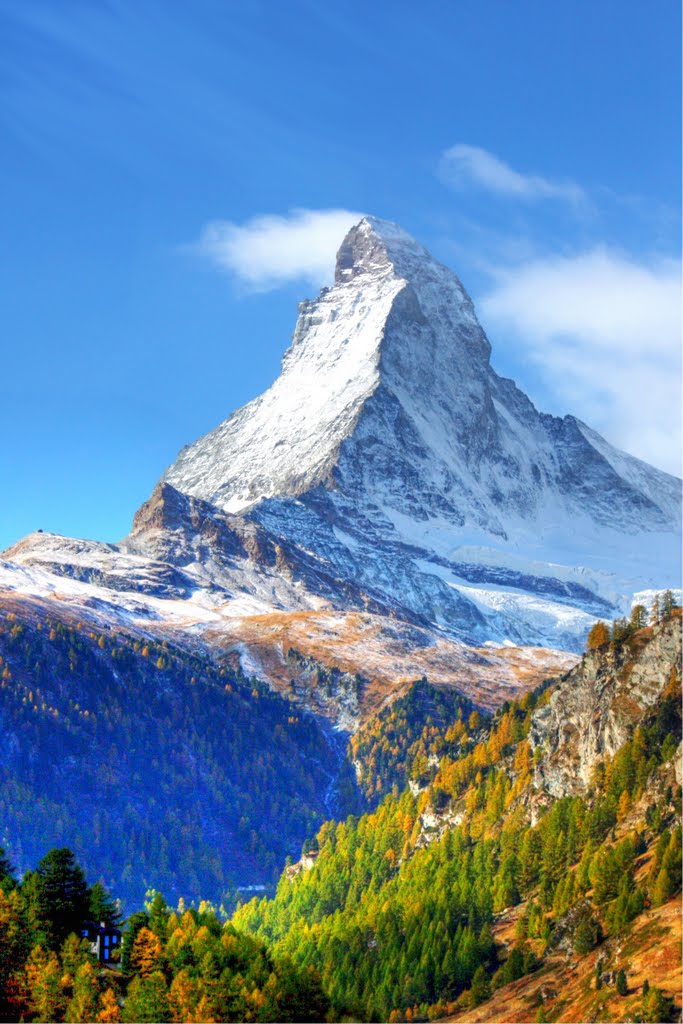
7,879
147,953
183,996
136,921
663,888
624,805
103,906
63,895
158,915
622,986
598,636
481,986
147,1000
109,1011
657,1009
586,933
74,952
14,946
655,612
638,616
84,1003
620,630
43,977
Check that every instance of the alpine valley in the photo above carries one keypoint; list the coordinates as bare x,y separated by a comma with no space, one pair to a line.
352,618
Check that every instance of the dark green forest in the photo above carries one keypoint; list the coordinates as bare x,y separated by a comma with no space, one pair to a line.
405,740
392,914
158,768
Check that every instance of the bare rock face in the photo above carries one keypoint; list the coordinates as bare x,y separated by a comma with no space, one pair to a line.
390,449
389,470
598,705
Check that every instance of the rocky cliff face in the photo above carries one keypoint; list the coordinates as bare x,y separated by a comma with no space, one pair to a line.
391,450
388,471
598,705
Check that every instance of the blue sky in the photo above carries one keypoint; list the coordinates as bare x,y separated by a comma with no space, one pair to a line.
532,146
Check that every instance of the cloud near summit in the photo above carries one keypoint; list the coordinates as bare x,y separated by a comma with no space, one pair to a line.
270,250
604,329
465,167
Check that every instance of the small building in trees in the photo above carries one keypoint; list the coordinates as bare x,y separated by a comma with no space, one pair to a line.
104,940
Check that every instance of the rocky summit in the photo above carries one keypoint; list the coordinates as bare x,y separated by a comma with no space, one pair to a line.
390,450
389,543
389,473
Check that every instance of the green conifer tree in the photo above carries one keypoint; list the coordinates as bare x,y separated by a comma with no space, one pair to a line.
481,986
63,896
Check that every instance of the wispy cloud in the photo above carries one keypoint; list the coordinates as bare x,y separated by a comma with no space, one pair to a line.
268,251
605,332
464,167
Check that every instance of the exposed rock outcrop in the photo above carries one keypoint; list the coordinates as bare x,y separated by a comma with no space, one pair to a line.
598,705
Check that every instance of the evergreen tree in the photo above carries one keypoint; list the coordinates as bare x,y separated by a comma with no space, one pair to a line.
657,1008
158,915
655,612
598,636
147,1000
103,907
73,954
481,986
136,921
663,888
622,986
620,630
63,896
14,948
108,1011
586,932
638,617
7,879
84,1003
147,953
43,978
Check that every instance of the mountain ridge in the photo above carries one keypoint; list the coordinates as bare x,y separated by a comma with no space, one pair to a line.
388,470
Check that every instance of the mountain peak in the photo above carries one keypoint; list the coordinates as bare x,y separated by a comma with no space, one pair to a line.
375,246
390,450
396,319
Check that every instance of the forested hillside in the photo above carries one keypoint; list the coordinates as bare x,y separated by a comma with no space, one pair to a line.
405,741
497,886
159,769
182,965
164,768
399,907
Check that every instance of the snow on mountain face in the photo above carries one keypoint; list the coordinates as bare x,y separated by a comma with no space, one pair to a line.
391,452
287,440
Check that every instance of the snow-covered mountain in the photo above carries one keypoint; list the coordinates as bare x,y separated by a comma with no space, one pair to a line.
389,475
390,450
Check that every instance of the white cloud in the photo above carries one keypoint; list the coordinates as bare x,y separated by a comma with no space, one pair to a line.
270,250
605,332
463,167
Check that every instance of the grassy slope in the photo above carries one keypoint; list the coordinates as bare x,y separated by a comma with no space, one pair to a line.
565,985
